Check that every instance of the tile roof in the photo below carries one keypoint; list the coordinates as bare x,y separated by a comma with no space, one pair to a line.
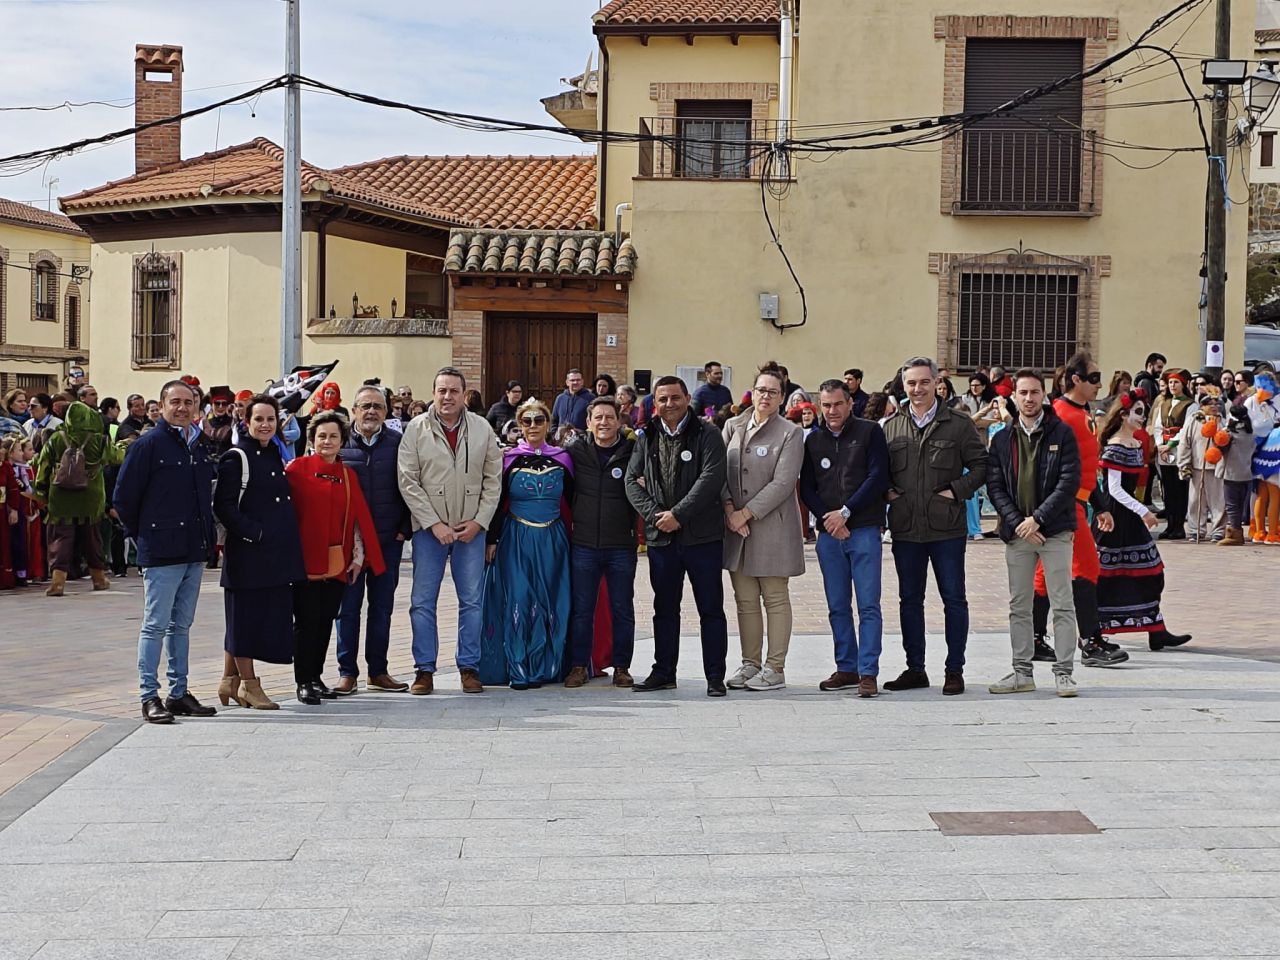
688,12
1266,36
26,215
540,252
499,192
164,54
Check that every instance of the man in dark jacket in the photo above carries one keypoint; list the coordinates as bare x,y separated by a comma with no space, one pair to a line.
571,406
936,463
843,481
372,453
505,409
164,498
604,541
1033,475
133,425
674,480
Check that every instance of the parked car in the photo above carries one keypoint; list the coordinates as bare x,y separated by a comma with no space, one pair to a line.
1261,344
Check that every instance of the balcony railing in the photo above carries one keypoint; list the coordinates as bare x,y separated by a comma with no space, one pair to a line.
1026,171
690,148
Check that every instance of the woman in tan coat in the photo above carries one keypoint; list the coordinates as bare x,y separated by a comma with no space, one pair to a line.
763,545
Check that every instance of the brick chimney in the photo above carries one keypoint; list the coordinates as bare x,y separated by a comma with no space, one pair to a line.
158,94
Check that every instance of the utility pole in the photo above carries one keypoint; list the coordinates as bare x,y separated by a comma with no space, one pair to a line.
1216,214
291,215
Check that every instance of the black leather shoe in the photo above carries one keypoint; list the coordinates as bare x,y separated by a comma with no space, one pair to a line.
908,680
308,694
1162,639
188,706
655,681
716,688
324,690
153,711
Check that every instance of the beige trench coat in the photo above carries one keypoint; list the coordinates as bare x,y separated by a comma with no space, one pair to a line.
762,476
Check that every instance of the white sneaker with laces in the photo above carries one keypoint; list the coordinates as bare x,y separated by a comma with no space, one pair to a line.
1066,684
740,677
1013,683
767,679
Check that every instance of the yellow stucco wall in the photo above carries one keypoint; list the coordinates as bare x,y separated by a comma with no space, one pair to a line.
373,271
860,226
396,360
20,326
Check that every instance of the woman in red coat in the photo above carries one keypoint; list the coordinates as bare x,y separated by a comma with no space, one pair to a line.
338,541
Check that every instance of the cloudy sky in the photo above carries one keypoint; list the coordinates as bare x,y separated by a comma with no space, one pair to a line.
491,57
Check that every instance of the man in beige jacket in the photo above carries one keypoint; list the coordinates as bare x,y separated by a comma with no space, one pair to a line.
451,477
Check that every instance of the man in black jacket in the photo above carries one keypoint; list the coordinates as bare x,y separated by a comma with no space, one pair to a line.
604,541
1033,474
372,452
674,480
505,409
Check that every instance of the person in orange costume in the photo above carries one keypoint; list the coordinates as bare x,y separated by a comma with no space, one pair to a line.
1083,380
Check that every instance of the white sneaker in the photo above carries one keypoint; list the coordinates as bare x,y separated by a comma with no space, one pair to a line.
767,679
744,673
1066,684
1013,683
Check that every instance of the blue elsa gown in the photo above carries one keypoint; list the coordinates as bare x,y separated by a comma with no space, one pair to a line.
526,591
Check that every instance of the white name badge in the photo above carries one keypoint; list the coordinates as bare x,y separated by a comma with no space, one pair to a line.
686,455
826,463
617,473
762,451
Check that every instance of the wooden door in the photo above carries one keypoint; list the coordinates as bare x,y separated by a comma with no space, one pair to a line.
537,349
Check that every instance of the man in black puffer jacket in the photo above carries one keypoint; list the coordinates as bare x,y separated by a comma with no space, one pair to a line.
1033,474
372,453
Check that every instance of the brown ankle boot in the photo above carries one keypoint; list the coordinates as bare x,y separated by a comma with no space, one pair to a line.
58,584
1234,538
229,689
100,581
252,696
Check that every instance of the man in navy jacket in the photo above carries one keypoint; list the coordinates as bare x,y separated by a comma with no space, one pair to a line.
371,452
571,406
164,498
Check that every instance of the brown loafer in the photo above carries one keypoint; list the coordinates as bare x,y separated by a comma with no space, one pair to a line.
423,683
577,677
839,680
346,686
387,683
471,681
953,684
622,677
867,687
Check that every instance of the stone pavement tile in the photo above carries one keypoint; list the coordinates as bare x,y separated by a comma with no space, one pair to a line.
526,893
161,893
497,792
380,851
333,889
623,789
867,842
780,823
394,810
879,863
1214,886
548,809
78,924
1056,886
803,944
892,889
714,890
160,849
469,828
629,918
402,918
894,822
242,834
362,947
248,923
1256,860
778,787
18,948
99,949
623,867
1201,838
645,843
409,870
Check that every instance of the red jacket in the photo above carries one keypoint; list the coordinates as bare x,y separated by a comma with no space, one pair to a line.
319,492
1081,424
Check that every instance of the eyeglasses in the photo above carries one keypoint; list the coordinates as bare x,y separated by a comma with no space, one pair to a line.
219,403
533,420
371,406
767,391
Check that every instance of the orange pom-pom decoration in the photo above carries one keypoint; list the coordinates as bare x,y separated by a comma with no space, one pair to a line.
1222,438
1209,428
1213,456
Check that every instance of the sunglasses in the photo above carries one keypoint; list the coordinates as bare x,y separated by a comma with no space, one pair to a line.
533,420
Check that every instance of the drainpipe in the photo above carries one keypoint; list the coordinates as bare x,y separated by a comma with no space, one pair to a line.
602,91
617,215
787,42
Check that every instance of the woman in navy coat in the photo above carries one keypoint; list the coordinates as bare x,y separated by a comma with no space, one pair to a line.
263,557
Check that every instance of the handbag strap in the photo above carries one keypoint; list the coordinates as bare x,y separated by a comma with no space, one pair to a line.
346,512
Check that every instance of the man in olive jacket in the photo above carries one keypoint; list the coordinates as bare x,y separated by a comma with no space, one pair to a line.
674,480
937,461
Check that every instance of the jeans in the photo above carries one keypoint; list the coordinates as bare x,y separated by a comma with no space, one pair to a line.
668,566
1237,503
912,561
169,601
382,597
617,566
1054,558
973,515
848,566
466,561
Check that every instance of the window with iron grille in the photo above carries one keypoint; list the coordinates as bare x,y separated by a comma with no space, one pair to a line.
36,383
714,137
46,306
1032,160
156,310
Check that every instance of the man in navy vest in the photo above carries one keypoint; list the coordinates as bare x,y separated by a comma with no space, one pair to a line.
372,452
164,498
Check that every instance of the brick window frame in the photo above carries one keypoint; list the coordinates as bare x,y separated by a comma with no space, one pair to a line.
1097,34
39,260
668,94
73,330
1090,269
174,360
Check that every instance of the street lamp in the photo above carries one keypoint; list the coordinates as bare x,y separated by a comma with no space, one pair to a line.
1263,87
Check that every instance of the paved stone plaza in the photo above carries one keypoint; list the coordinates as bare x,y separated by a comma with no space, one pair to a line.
591,823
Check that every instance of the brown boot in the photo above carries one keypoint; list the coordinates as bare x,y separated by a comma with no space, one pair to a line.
229,689
58,584
622,677
254,697
471,682
100,581
423,683
1233,538
577,677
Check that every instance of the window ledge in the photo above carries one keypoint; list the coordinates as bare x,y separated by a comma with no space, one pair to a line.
1052,214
